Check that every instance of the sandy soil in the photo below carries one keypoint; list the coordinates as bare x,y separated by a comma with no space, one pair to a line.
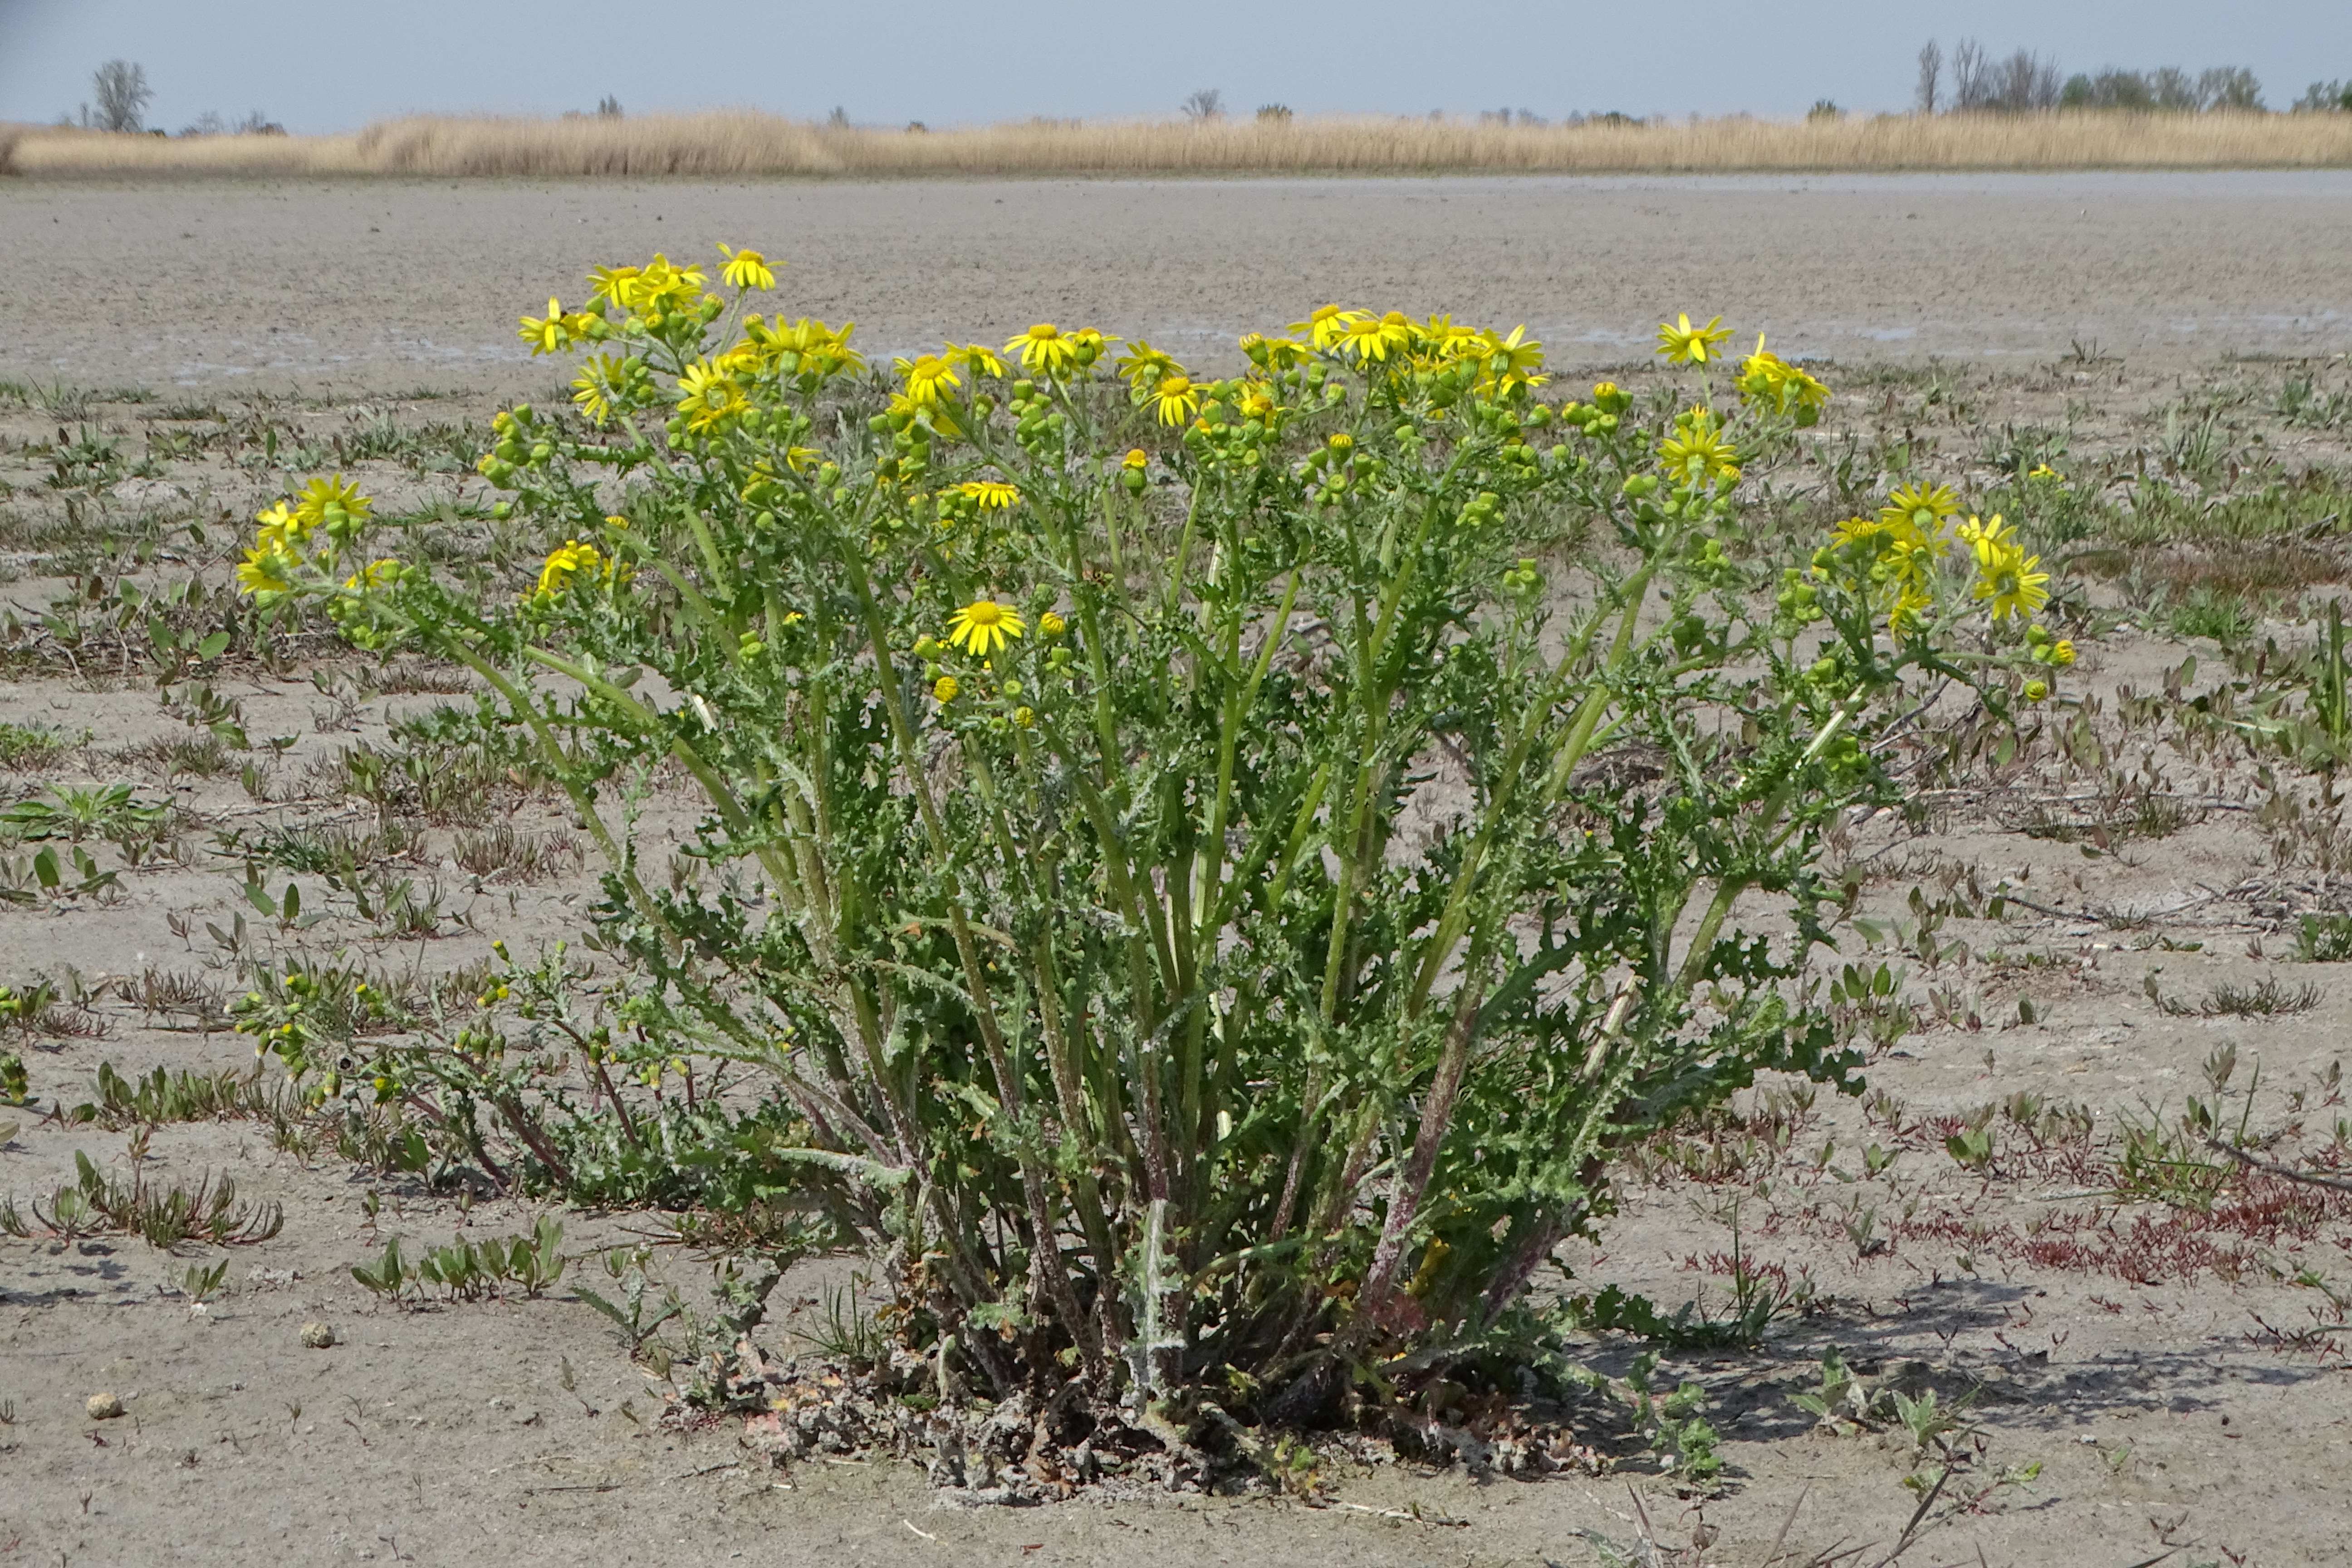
387,284
2178,1409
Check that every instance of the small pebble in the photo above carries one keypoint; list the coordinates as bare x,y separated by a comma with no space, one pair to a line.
103,1407
317,1336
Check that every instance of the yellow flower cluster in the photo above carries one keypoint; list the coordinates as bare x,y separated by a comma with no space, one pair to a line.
1767,380
1905,541
569,559
708,394
332,506
1911,533
807,347
1047,350
2007,582
657,288
1505,361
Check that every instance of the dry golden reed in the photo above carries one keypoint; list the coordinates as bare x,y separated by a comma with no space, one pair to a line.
739,143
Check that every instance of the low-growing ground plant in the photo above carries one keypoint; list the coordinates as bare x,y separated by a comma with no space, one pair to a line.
168,1096
470,1267
1214,871
2324,939
164,1215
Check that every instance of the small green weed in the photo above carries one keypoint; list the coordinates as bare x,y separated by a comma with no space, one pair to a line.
470,1268
2325,939
2269,998
1672,1423
164,1216
25,747
76,812
167,1096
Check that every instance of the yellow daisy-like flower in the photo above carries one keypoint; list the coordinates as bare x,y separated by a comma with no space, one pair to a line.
1914,562
928,377
1766,378
611,284
1375,338
1515,361
1855,529
2044,472
336,504
279,525
807,345
1051,625
2007,582
379,575
934,414
1987,539
1135,458
1448,336
1679,342
707,395
265,572
979,356
1273,353
945,689
1143,365
1047,350
2062,652
1903,615
1327,324
567,561
1919,509
549,335
994,495
599,382
1697,452
660,285
1176,399
746,269
984,625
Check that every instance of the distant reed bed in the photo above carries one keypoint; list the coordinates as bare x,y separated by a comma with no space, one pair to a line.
739,144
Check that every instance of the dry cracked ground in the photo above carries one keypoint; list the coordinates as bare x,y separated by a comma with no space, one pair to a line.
2135,1333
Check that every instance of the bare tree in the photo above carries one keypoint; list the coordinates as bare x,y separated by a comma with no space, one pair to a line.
122,94
1208,103
1971,76
1931,74
2025,83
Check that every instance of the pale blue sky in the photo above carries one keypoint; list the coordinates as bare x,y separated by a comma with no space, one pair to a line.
328,64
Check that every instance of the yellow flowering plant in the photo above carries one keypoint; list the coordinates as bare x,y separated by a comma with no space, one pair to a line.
1214,873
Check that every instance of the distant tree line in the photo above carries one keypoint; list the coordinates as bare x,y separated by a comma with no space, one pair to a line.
119,99
1974,80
